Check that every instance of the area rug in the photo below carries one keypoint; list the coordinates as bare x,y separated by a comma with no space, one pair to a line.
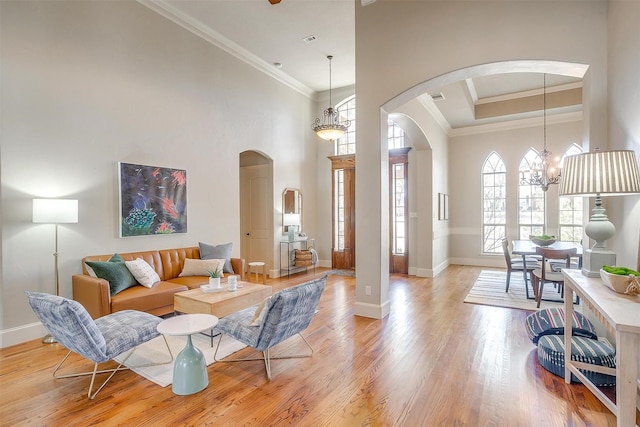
488,289
350,273
155,351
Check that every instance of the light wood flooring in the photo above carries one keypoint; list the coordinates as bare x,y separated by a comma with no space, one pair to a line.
434,361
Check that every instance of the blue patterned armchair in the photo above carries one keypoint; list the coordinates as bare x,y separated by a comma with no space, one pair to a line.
283,315
98,340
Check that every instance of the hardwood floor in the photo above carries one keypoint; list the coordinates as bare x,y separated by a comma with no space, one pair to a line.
434,361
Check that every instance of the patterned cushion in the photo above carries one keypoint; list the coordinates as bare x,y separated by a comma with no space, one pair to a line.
100,340
287,312
143,272
140,327
70,324
551,357
550,321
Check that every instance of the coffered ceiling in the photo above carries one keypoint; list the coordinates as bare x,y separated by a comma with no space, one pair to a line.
291,40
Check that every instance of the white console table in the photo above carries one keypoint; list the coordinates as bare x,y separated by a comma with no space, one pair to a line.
621,315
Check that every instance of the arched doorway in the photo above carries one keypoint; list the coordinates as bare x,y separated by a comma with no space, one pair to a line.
256,207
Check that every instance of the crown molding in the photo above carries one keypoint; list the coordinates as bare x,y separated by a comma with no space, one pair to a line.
573,116
426,101
529,93
203,31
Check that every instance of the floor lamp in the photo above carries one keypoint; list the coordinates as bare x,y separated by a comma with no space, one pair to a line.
55,211
600,173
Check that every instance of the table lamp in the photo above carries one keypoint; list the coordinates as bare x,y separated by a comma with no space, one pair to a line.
600,173
55,211
292,221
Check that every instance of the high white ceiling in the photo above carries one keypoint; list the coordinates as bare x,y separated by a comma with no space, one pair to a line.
264,35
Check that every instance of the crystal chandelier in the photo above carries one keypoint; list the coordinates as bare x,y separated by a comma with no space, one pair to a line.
330,128
545,173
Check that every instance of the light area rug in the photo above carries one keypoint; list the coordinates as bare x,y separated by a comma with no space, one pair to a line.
155,351
488,289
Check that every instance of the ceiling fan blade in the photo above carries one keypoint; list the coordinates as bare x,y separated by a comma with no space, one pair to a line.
274,1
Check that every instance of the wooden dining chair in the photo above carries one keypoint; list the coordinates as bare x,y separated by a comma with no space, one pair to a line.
518,265
545,274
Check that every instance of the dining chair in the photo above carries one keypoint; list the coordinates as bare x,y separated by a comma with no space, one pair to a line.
545,274
525,265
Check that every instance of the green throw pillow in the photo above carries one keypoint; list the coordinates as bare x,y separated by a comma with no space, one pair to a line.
115,272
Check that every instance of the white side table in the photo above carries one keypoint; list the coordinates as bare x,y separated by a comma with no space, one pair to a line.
262,266
190,368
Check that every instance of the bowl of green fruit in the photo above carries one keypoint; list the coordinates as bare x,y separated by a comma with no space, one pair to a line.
543,240
621,279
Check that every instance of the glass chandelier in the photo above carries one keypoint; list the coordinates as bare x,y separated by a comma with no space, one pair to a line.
545,173
330,128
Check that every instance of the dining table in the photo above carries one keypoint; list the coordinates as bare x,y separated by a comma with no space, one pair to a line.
527,248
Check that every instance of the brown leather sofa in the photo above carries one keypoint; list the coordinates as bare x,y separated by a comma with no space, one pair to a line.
93,293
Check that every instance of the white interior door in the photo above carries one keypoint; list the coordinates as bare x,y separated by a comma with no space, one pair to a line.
255,213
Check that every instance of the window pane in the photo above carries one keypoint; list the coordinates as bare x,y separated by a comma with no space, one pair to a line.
347,144
531,198
493,203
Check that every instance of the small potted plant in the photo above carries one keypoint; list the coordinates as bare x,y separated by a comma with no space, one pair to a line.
214,277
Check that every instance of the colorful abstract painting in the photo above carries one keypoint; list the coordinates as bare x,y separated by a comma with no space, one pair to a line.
153,200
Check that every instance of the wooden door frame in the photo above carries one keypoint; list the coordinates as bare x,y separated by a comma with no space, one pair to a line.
346,258
397,263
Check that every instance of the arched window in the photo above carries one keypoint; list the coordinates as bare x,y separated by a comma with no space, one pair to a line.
347,144
395,135
494,203
570,215
531,199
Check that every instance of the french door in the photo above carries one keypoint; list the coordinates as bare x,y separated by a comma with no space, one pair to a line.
398,210
343,180
343,172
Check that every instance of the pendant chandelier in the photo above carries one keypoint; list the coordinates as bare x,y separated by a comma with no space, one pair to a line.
330,128
545,173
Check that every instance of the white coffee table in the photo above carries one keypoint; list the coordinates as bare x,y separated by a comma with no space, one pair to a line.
190,368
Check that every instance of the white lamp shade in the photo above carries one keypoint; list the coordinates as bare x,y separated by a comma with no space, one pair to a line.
55,211
600,172
291,219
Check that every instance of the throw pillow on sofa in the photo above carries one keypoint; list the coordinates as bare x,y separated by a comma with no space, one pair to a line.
115,272
201,267
143,272
218,252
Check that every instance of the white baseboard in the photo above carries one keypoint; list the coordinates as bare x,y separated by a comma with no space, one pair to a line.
489,261
24,333
373,311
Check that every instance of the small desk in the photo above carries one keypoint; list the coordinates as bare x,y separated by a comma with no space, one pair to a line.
190,368
621,315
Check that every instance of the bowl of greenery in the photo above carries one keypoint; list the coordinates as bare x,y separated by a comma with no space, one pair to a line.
543,240
621,279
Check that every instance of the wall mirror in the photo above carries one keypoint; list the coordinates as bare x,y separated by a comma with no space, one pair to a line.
291,209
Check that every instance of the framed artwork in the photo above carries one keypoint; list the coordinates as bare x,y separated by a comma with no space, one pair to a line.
443,206
153,200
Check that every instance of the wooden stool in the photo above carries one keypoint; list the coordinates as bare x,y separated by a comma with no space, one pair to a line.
253,268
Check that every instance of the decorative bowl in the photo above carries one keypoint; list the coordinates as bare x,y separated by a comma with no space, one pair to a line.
543,242
617,282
